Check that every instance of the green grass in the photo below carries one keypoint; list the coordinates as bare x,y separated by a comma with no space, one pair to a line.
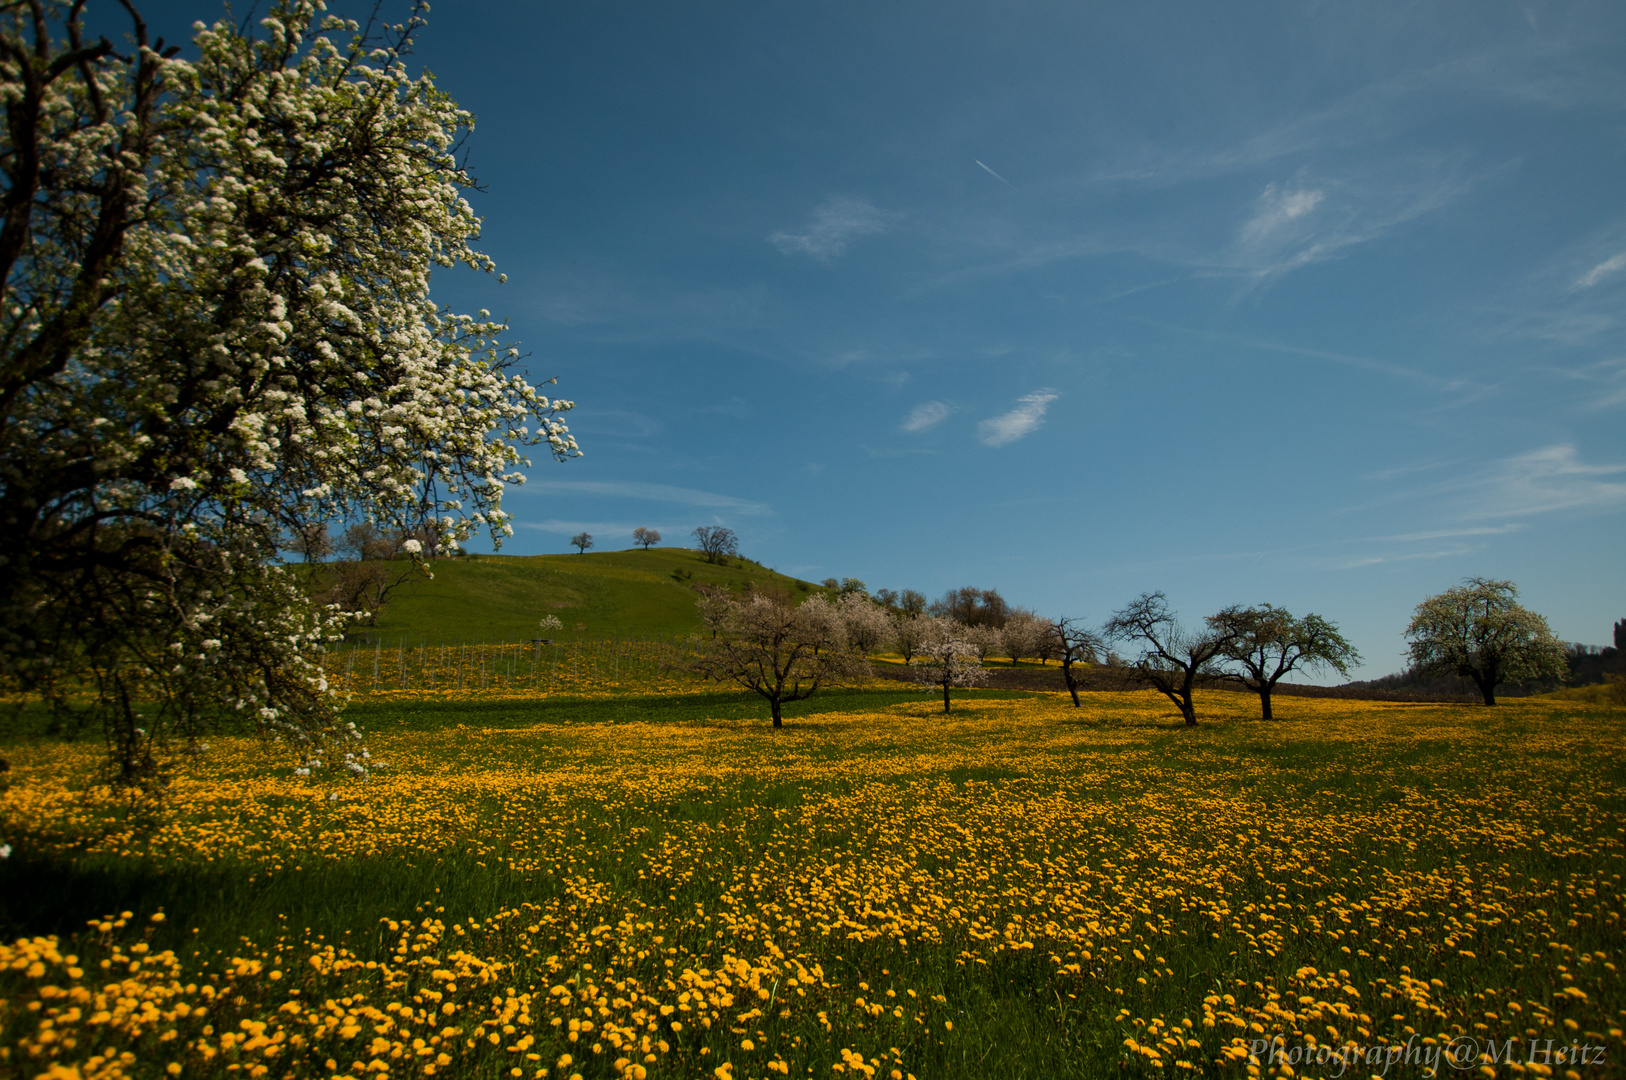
612,593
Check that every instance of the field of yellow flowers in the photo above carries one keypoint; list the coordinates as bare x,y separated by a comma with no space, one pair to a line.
1019,888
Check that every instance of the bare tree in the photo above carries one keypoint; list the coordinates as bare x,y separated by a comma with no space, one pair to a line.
1074,643
364,541
716,542
946,659
1171,657
645,538
374,564
780,651
1267,642
973,607
582,541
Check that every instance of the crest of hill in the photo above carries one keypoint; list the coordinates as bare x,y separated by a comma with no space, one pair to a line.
606,594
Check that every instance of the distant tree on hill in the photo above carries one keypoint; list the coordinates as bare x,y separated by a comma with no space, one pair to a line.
1480,631
582,541
912,602
782,651
716,542
945,659
311,540
645,538
1171,657
1074,643
1264,643
887,598
973,607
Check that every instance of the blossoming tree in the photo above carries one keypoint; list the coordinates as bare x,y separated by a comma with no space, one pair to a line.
780,650
946,657
1479,630
215,331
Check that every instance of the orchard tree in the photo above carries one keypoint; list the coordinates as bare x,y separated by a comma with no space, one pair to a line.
581,542
781,651
867,624
1171,657
1025,635
1480,631
216,332
945,659
716,542
1074,643
645,538
909,632
983,638
1264,643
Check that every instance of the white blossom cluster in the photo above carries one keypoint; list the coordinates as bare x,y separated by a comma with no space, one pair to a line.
217,330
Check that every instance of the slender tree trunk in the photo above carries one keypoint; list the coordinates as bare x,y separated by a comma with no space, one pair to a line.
774,704
945,694
1264,702
1072,683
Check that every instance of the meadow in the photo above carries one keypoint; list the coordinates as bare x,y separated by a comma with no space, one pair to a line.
592,884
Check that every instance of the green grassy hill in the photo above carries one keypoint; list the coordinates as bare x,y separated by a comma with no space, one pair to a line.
613,593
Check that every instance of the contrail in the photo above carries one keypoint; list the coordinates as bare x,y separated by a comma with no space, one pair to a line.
995,175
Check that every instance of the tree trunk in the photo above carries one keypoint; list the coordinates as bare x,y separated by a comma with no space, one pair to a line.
945,695
1187,709
778,720
1072,683
1264,703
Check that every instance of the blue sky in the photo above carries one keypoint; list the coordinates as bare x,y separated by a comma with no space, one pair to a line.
1305,303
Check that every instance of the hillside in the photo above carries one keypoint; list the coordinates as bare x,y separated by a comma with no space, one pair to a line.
612,593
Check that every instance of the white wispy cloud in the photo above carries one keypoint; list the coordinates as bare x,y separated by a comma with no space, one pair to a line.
927,414
1295,225
630,489
1446,534
1542,481
835,224
1277,208
1407,556
1601,271
1022,420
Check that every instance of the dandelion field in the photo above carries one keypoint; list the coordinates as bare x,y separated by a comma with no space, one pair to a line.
661,886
